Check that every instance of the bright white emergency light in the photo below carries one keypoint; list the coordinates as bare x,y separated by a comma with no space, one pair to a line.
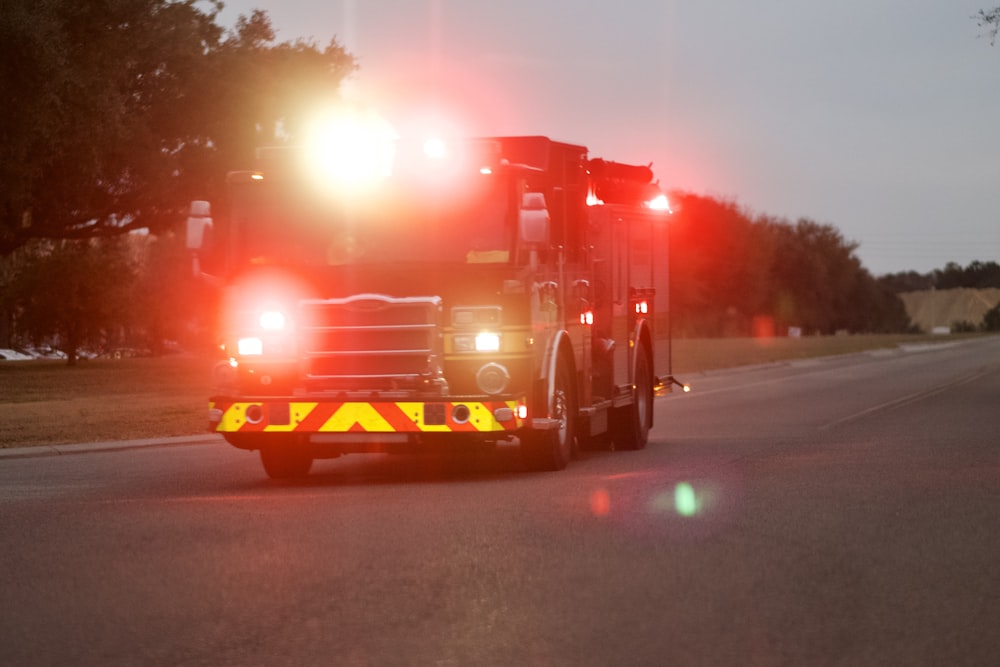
272,320
349,147
659,203
435,148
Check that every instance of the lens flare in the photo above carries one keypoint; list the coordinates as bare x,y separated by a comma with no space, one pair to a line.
600,502
685,500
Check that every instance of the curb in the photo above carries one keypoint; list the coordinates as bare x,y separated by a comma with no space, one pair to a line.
107,446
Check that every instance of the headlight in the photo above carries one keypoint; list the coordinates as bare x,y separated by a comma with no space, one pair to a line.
250,347
492,378
488,342
482,342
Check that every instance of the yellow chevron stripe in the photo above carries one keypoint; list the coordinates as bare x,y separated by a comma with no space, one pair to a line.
350,414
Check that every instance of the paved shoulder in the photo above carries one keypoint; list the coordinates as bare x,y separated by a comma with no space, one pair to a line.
107,446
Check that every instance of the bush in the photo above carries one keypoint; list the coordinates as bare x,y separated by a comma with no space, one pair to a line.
991,320
963,326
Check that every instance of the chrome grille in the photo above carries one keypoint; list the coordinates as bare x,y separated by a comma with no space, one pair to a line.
370,341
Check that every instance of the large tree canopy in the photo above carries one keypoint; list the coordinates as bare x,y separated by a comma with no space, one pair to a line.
119,112
733,271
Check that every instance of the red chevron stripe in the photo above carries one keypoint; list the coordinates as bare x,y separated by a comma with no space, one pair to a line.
317,417
399,420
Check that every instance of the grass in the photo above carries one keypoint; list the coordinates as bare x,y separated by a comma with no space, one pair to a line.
47,402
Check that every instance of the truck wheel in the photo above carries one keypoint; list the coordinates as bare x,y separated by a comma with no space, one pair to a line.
285,458
630,424
552,449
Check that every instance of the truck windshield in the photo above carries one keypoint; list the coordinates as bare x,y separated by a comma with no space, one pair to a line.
286,223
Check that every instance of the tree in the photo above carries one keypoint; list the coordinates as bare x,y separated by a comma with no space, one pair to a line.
907,281
713,266
74,291
989,19
119,112
991,319
166,302
88,147
976,275
733,272
877,307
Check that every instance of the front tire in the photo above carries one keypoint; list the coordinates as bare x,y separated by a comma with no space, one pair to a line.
285,459
552,449
631,424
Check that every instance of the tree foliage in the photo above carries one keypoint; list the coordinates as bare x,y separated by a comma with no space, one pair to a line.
134,293
991,319
736,274
120,112
74,291
976,275
989,19
167,303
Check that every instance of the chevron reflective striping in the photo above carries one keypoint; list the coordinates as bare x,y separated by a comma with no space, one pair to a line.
357,417
312,420
362,417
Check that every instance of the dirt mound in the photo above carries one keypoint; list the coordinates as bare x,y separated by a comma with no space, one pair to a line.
929,309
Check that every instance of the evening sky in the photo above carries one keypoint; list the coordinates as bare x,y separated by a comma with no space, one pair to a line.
880,117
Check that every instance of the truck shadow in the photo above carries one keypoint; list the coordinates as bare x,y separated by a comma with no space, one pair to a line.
502,462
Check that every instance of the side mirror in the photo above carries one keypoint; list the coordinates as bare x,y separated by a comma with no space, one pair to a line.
533,218
198,223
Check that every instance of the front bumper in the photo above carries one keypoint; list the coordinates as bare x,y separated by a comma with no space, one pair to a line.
278,415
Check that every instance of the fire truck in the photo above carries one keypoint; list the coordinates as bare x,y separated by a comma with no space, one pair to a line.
492,290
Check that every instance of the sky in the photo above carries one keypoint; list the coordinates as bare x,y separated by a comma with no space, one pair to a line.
878,117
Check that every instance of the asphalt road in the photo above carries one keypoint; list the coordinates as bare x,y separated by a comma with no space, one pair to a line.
829,512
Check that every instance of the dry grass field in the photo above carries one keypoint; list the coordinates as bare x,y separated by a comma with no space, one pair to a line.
944,308
47,402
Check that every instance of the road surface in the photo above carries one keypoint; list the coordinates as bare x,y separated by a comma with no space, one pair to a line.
828,512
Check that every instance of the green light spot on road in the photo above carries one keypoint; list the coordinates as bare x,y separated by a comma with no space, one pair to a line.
685,500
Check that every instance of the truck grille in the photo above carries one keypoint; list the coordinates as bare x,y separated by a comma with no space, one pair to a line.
370,342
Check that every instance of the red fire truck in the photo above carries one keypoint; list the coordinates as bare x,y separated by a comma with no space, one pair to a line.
458,295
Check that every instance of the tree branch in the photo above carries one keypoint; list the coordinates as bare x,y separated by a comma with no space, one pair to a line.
989,19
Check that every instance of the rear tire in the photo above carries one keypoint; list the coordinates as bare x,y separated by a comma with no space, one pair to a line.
285,458
631,424
552,449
